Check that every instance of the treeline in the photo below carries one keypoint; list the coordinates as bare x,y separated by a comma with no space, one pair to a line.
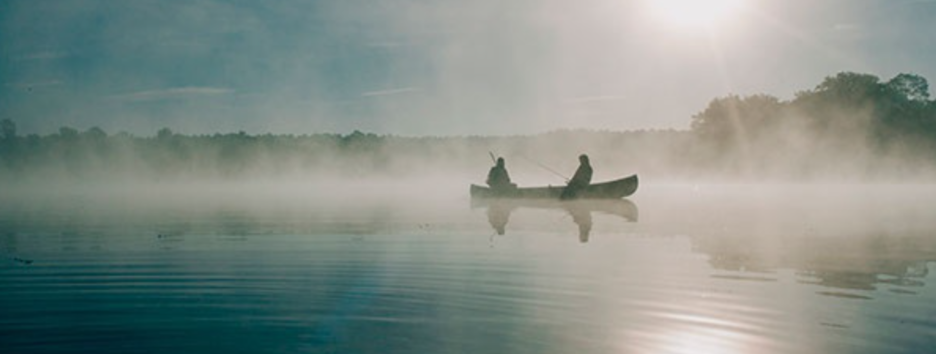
94,154
850,123
849,126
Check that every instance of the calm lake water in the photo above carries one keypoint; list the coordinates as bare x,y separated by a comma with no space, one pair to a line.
673,269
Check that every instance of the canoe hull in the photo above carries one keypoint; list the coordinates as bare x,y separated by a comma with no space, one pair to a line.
615,189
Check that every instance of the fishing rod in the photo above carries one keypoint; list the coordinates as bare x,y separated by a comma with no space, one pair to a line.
545,167
536,163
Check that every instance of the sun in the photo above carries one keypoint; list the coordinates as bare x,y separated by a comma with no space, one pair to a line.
693,14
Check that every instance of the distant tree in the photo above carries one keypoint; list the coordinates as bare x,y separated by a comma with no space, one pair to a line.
95,133
840,108
164,134
728,119
912,87
7,129
9,149
849,87
903,113
358,141
68,133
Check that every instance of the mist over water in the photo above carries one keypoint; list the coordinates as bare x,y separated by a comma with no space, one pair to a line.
358,266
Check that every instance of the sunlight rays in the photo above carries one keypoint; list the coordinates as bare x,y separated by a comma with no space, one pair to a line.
693,14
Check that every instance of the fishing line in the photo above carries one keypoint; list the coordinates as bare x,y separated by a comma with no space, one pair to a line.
545,167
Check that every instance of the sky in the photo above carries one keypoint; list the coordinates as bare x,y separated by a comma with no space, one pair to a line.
432,67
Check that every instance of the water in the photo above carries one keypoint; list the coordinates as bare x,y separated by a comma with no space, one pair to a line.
675,269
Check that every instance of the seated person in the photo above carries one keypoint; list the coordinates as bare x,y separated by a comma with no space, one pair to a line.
498,179
580,180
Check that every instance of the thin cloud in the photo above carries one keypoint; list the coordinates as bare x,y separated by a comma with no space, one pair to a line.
388,92
172,93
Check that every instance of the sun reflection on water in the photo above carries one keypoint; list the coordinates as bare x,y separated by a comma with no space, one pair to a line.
700,334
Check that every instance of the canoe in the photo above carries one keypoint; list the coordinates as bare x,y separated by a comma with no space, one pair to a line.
615,189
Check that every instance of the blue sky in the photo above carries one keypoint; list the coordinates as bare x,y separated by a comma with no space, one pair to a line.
421,67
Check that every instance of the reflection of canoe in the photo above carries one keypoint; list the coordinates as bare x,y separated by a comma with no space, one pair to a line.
605,190
620,207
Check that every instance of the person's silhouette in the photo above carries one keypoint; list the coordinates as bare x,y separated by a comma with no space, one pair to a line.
498,178
580,180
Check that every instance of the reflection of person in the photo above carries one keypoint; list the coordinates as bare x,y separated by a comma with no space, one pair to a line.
498,215
583,218
580,180
498,179
499,210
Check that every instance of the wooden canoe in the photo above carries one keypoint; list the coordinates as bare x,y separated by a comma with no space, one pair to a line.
615,189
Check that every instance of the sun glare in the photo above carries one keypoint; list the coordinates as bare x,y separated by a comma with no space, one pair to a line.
694,13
